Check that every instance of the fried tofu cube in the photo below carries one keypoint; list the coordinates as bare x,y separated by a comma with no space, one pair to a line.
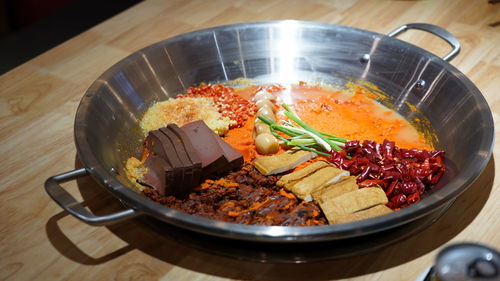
347,184
300,174
316,180
353,201
374,211
270,165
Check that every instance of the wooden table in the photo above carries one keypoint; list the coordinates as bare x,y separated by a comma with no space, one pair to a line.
39,100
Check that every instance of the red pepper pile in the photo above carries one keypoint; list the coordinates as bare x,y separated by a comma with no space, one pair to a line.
228,103
404,174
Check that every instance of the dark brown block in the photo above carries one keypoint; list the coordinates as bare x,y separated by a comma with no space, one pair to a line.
204,141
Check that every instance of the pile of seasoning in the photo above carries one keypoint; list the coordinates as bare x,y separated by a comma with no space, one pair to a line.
228,103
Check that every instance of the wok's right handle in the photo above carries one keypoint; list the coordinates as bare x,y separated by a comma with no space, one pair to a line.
68,202
436,30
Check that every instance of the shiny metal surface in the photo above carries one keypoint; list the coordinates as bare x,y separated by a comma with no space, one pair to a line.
69,203
106,123
466,262
436,30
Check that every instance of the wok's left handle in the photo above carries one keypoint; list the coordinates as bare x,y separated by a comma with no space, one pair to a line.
436,30
69,203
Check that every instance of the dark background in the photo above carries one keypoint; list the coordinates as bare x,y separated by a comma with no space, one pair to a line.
31,27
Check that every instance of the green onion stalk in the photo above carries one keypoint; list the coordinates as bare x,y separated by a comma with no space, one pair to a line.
303,135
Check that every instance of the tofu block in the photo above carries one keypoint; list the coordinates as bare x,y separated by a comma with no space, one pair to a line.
316,180
353,201
270,165
347,184
374,211
298,175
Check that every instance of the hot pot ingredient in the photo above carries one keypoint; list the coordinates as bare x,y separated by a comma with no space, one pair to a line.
352,116
246,197
342,208
227,102
265,142
335,191
260,128
404,174
304,182
265,103
304,137
276,164
344,185
356,117
177,159
292,178
183,111
241,140
375,211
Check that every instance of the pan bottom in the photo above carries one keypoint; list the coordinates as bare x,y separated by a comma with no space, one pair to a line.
263,252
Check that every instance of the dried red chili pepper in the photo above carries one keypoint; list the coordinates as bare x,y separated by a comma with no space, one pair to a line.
413,198
228,103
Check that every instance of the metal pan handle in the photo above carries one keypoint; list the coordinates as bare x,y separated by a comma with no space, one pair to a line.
68,202
434,29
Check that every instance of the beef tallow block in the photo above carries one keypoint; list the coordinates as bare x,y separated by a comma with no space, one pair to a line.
160,145
204,141
198,132
186,167
233,157
159,176
191,153
270,165
180,157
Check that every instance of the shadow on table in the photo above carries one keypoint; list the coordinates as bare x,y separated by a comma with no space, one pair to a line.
172,245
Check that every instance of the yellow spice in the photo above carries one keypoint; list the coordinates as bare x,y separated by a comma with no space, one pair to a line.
185,110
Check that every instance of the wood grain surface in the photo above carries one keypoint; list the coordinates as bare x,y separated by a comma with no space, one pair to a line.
38,101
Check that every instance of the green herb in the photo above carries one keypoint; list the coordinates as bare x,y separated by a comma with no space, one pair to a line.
303,136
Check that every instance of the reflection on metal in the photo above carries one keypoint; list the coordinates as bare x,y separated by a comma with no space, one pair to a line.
221,60
368,64
420,85
416,74
287,45
155,75
125,90
365,58
173,65
241,60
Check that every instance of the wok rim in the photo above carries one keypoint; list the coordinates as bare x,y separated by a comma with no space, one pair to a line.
279,233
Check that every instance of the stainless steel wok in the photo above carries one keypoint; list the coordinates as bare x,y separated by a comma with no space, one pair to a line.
106,127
